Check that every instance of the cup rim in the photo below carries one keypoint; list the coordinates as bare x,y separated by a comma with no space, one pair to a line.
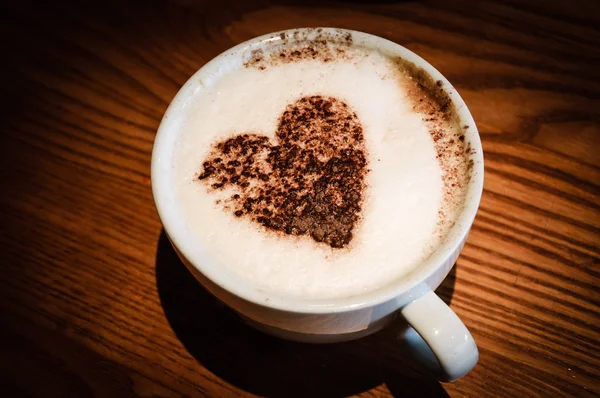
194,253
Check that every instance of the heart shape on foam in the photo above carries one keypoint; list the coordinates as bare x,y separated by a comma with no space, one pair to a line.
309,182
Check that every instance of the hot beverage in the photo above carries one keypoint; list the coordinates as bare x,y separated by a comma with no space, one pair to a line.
318,167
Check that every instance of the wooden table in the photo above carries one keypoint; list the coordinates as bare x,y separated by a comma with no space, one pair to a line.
94,301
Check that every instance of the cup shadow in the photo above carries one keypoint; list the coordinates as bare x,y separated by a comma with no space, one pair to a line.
267,366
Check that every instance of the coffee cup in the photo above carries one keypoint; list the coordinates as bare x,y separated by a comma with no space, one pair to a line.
436,329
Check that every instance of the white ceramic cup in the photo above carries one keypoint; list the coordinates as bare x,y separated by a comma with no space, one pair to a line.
438,328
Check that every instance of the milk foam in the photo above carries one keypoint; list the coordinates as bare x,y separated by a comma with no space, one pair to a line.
400,226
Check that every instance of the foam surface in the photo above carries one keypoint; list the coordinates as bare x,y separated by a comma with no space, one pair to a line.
401,222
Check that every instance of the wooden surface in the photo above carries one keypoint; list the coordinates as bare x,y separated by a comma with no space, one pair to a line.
95,303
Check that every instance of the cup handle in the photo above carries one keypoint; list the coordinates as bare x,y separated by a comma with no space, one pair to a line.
443,343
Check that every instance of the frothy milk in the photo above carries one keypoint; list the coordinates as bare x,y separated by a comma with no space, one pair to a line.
387,180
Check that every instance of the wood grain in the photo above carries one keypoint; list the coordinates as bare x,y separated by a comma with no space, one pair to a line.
93,301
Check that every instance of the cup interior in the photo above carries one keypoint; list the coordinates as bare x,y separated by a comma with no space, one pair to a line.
189,247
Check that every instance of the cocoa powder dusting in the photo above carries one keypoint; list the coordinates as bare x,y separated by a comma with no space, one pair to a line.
310,181
312,44
432,102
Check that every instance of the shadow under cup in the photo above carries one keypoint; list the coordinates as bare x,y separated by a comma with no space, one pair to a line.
341,319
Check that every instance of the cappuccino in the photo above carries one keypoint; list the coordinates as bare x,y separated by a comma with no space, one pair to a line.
317,167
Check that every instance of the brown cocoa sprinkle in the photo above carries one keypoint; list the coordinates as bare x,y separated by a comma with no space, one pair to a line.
439,114
309,182
301,45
